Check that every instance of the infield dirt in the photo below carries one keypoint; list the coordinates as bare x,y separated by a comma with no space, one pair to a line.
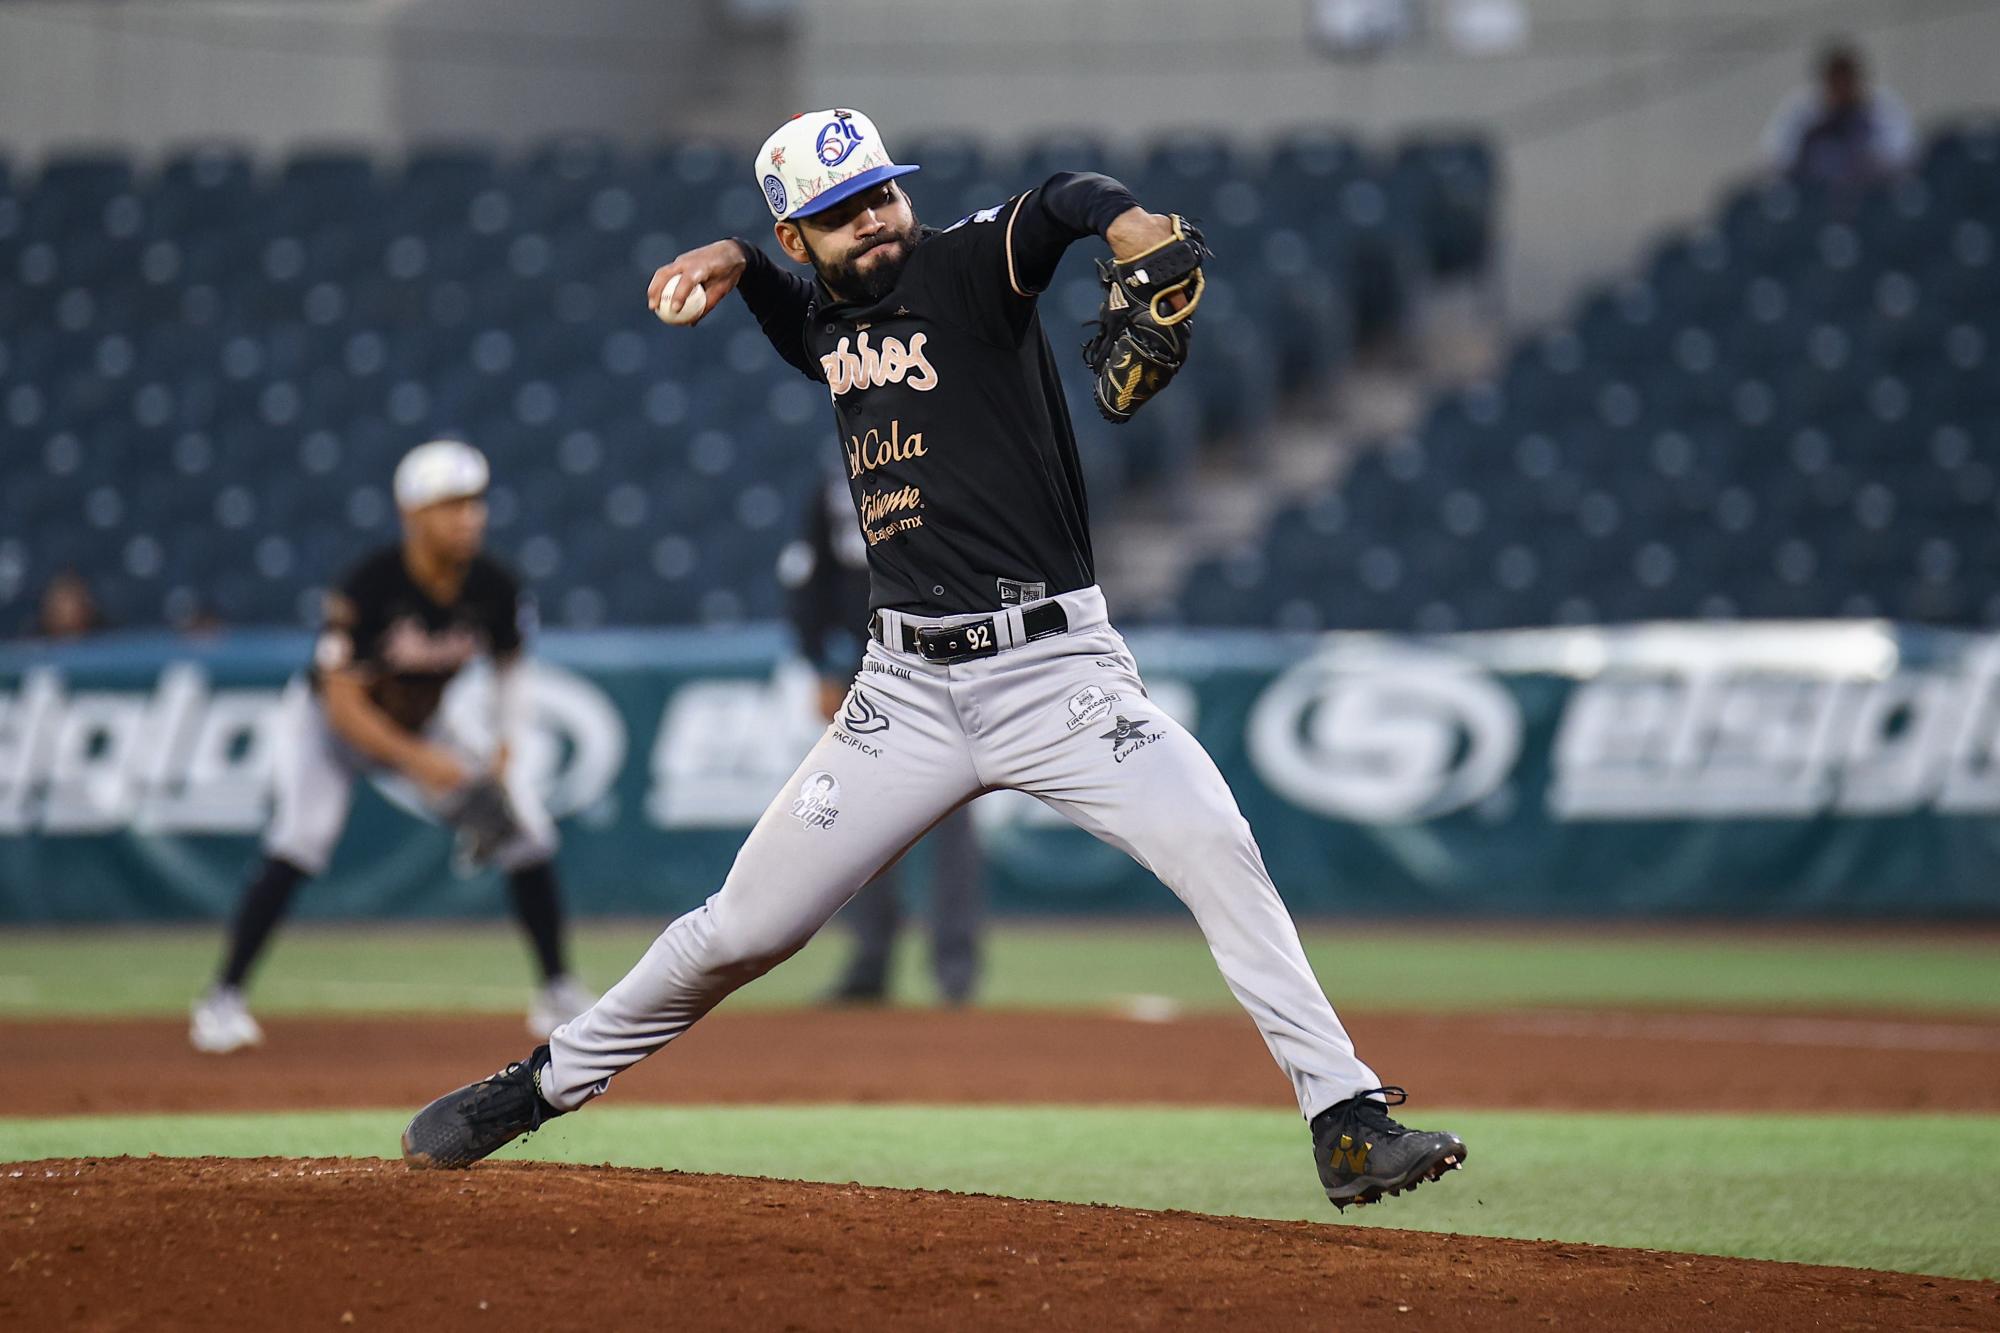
338,1243
1527,1059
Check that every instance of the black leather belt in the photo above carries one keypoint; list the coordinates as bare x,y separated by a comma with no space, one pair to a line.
969,639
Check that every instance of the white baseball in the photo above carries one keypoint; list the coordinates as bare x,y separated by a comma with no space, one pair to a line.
690,311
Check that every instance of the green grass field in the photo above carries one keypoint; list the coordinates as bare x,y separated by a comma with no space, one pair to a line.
1920,1193
484,969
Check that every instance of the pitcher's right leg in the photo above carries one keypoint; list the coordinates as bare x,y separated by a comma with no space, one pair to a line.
855,804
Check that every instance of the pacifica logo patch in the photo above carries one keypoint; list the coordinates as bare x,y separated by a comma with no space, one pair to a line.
866,366
861,716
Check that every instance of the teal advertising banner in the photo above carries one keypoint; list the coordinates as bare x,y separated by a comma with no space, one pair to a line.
1839,769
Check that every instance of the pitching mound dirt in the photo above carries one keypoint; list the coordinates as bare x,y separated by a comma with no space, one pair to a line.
269,1243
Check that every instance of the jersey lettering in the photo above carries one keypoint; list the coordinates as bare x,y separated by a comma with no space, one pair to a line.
409,646
865,366
885,514
867,452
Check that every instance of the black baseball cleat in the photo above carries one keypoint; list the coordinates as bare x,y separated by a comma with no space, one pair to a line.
480,1118
1362,1154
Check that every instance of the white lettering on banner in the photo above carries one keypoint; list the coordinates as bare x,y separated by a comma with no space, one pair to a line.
24,731
1394,736
185,758
723,750
1760,744
180,759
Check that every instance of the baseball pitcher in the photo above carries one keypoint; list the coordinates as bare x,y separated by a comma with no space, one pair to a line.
993,664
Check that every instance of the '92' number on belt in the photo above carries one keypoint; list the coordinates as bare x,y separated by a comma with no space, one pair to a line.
979,636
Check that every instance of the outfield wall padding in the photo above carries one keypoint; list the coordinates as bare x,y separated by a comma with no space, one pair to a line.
1829,769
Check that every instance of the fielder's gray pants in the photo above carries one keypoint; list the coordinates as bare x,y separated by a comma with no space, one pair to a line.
314,780
1063,718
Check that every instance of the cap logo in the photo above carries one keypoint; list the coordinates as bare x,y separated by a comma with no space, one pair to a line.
837,141
774,190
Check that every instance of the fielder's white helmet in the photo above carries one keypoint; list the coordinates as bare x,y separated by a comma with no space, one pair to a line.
440,470
817,159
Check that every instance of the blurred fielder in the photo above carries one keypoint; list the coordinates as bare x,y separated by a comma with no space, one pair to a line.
405,621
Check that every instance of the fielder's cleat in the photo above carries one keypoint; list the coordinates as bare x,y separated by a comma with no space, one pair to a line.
220,1023
556,1003
480,1118
1362,1154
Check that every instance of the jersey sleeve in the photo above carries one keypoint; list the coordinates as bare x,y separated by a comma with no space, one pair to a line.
349,625
1004,257
780,302
509,613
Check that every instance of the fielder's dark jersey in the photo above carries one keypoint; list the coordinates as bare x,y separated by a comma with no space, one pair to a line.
408,647
956,440
824,572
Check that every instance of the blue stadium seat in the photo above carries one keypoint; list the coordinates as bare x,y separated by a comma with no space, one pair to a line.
294,329
1791,412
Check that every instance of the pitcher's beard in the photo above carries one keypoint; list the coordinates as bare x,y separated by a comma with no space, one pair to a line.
869,285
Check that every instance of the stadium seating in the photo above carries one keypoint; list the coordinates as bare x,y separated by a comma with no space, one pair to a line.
208,368
1793,411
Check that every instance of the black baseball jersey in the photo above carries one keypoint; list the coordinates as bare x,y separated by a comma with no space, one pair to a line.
955,437
408,647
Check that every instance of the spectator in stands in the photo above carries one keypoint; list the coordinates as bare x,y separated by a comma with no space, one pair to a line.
1842,133
198,620
825,574
68,609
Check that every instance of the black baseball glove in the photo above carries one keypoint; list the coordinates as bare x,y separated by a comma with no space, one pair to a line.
484,819
1141,339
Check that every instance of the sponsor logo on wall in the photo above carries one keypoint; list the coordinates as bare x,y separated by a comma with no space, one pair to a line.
186,757
1402,733
1395,735
1722,742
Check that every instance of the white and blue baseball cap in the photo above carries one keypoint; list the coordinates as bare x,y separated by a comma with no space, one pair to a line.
817,159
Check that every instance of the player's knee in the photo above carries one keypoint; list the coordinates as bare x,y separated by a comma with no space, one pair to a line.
744,950
532,848
1203,845
308,856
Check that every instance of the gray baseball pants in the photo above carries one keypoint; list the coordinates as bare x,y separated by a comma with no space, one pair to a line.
1064,718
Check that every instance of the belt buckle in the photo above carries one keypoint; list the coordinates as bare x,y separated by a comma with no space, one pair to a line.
957,643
